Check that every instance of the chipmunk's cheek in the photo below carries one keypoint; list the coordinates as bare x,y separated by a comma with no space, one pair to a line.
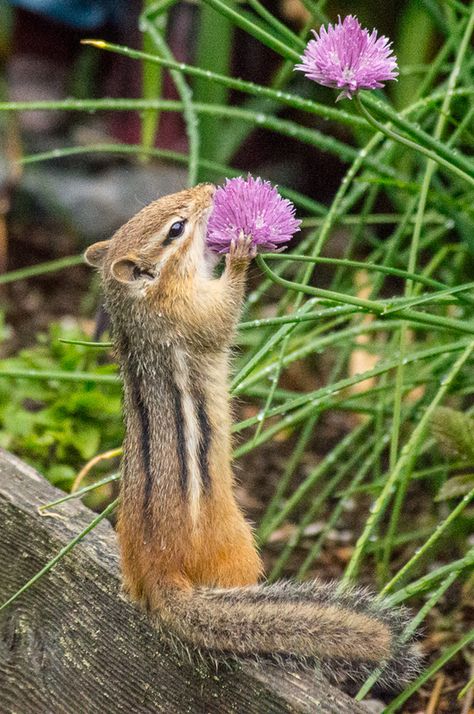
162,259
157,270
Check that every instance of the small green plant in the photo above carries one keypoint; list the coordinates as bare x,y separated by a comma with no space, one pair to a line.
57,423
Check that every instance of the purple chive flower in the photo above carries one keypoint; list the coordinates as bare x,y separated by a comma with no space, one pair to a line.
347,57
252,207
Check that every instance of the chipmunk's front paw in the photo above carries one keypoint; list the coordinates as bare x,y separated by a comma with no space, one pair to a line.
242,250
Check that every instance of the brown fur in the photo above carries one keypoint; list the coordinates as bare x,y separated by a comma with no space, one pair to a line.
181,540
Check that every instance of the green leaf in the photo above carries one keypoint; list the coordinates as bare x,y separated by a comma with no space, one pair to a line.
60,473
87,440
20,423
456,486
454,432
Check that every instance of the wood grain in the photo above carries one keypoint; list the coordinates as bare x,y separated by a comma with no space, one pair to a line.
72,645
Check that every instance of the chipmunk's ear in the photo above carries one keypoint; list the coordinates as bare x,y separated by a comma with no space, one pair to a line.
95,254
125,270
131,268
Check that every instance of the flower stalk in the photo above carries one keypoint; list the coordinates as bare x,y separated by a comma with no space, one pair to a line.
405,141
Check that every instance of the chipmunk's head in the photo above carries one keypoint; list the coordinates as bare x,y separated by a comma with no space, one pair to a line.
165,243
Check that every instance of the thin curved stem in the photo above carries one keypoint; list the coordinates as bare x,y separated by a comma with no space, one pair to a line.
240,85
400,139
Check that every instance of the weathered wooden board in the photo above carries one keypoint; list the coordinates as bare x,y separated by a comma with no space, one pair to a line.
72,645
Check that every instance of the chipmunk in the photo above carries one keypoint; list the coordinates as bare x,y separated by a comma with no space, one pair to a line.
188,555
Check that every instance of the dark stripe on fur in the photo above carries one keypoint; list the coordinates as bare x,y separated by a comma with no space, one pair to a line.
144,417
145,440
204,441
181,439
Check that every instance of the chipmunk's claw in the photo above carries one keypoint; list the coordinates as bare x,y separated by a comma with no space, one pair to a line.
242,248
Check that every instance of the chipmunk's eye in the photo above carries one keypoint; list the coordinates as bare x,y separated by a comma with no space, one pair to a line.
176,230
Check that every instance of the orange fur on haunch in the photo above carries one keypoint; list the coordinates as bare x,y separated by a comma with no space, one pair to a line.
188,555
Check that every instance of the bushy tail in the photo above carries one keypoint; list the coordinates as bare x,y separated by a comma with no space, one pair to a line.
348,633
